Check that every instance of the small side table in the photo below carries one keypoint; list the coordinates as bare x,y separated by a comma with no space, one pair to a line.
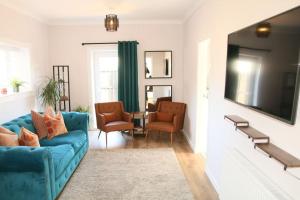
140,115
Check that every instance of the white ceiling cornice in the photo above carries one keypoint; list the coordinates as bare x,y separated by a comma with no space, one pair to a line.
23,12
192,10
45,11
81,22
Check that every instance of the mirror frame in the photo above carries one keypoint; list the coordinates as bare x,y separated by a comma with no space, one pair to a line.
145,52
156,85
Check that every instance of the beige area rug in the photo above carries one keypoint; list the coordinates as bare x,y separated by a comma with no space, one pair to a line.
135,174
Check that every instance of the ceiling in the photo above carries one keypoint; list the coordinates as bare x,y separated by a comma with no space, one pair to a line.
60,11
288,19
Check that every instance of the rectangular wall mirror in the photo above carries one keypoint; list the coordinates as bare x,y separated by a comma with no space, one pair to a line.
158,64
156,93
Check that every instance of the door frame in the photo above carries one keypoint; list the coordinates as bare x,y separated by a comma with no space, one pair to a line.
202,133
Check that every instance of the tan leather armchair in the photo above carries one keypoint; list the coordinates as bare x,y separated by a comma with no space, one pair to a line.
153,107
112,117
168,118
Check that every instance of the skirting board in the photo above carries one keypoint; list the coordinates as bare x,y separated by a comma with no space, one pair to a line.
189,142
207,170
212,179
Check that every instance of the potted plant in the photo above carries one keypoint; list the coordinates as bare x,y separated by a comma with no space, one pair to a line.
82,109
16,84
50,93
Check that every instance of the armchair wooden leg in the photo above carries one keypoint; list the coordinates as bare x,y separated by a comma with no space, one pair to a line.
132,131
99,134
159,135
106,139
146,136
171,137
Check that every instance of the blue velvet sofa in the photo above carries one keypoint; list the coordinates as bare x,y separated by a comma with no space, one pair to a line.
41,173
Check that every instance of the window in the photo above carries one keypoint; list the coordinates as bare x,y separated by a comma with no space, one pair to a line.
14,65
105,68
248,67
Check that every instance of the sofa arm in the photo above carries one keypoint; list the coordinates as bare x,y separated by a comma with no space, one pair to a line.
76,121
26,173
24,159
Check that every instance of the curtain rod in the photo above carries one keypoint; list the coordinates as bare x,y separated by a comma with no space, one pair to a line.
95,43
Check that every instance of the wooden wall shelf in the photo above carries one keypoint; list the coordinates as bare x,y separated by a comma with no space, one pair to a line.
288,160
254,134
280,155
238,121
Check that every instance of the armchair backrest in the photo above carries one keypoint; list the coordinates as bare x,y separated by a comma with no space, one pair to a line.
175,108
110,107
160,99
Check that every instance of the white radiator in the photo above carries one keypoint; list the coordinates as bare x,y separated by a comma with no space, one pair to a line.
241,180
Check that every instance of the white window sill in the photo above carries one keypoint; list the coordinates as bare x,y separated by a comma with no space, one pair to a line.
15,96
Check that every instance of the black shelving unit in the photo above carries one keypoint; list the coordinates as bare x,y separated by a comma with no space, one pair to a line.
61,75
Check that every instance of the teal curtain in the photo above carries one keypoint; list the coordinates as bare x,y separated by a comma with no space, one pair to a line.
128,90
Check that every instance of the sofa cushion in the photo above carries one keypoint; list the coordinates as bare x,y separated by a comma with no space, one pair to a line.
27,138
74,138
8,138
62,156
55,125
38,121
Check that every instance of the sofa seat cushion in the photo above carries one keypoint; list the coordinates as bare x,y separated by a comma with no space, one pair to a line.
62,156
117,126
75,138
161,126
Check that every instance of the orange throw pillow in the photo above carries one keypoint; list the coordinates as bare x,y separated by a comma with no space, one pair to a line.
55,125
38,122
164,117
27,138
111,117
8,138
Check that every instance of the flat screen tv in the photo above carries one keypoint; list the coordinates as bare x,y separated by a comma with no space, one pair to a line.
262,70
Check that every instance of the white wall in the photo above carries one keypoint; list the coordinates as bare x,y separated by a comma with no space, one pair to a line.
215,19
22,30
65,49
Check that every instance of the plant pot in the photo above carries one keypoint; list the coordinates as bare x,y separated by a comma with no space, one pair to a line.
16,89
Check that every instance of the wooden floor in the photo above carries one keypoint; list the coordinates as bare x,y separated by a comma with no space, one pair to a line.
191,164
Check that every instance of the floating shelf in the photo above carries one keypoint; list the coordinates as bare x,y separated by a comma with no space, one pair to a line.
254,134
280,155
288,160
238,121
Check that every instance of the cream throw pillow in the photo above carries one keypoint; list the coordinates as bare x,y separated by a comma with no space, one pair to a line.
27,138
8,138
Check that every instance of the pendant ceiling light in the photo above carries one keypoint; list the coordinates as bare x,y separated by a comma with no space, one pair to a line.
263,30
111,22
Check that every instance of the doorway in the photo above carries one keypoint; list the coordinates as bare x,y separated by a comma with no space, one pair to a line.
103,76
203,66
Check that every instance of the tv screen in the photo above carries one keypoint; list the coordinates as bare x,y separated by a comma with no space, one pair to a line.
262,66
